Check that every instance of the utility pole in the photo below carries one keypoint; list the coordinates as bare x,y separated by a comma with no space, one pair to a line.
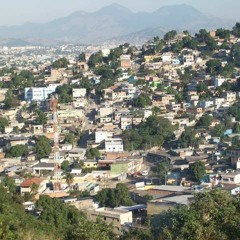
54,108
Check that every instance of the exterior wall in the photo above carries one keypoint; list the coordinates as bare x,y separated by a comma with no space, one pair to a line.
230,179
114,145
80,92
102,135
110,216
38,94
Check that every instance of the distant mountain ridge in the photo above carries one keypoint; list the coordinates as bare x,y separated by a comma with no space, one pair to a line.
116,22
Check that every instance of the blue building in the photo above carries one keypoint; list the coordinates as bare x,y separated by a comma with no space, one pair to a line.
38,93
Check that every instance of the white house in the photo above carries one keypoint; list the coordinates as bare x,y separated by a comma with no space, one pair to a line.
39,94
79,92
101,135
218,81
114,145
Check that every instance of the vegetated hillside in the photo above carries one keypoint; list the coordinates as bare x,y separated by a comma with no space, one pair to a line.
118,22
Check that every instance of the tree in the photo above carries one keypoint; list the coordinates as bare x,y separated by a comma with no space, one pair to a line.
218,130
95,59
214,67
187,138
3,124
41,117
64,93
24,79
161,170
205,121
156,110
9,183
223,33
91,231
69,179
16,129
11,100
70,138
148,134
197,170
34,188
170,35
142,101
93,153
60,63
202,87
189,42
65,165
202,35
85,83
234,111
212,215
236,30
17,151
43,147
235,54
82,57
236,128
115,197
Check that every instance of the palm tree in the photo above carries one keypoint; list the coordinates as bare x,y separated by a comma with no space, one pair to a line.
34,188
69,179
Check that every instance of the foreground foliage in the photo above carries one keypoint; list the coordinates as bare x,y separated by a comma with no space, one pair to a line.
213,215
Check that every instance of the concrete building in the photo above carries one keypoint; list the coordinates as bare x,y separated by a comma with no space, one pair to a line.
125,61
230,178
26,186
101,135
163,204
79,92
114,145
38,94
116,217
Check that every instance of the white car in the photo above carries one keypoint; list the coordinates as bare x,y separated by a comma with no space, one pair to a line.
145,173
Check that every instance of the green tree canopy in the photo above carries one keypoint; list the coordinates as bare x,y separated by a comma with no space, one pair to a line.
235,54
148,134
3,124
41,118
11,101
43,147
187,138
205,121
214,67
82,57
223,33
17,151
64,93
60,63
202,87
197,170
170,35
92,153
70,138
213,215
115,197
142,101
65,165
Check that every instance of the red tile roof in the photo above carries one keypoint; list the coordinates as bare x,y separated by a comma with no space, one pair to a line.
29,182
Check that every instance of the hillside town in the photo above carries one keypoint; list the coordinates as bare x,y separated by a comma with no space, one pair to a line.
122,133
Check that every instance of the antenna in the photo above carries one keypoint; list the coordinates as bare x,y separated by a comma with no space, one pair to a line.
54,108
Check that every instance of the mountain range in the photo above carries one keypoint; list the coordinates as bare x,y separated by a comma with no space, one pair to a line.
116,23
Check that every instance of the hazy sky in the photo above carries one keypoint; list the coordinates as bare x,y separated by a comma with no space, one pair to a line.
20,11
